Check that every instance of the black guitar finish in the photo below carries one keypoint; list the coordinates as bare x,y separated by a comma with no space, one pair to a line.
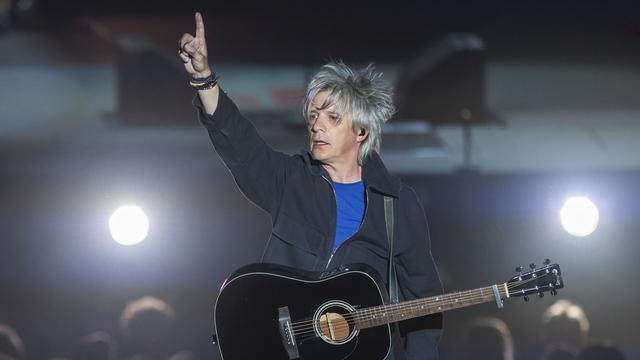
266,311
247,313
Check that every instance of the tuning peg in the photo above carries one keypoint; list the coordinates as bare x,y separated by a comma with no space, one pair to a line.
526,298
532,266
540,294
547,262
519,269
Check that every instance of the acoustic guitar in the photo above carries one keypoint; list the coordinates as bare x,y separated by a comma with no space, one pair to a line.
268,311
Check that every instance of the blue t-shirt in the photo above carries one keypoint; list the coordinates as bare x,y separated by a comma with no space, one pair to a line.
350,203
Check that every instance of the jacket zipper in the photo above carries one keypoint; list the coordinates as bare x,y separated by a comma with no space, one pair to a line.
364,216
335,202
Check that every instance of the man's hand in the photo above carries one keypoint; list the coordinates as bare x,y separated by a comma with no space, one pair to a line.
193,51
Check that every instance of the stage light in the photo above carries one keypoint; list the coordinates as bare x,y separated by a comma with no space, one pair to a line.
129,225
579,216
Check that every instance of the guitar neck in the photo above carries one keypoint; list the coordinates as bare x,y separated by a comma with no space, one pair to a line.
385,314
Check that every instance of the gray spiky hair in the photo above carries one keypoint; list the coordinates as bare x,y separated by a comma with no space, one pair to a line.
360,93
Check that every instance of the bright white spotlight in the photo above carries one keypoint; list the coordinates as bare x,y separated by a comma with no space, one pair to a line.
129,225
579,216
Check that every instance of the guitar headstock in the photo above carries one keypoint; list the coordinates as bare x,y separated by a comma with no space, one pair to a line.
536,281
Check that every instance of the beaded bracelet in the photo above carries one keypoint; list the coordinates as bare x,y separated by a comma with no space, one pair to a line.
204,83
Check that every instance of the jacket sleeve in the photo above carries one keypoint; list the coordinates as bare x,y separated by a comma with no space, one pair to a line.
417,278
258,170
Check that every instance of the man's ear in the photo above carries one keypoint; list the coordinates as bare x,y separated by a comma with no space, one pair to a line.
362,135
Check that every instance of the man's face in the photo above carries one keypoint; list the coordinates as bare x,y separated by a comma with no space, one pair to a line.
332,137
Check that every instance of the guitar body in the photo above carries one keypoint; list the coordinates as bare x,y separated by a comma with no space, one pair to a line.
255,302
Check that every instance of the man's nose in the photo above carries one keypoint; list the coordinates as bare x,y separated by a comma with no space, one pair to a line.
317,124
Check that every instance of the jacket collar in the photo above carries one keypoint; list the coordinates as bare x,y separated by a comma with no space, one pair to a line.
374,173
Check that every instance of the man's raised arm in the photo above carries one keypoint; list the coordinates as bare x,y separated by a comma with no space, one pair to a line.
193,52
258,169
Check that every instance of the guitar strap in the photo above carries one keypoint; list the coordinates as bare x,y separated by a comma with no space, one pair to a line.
396,340
393,280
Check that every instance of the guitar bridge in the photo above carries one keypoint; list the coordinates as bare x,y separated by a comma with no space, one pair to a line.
286,333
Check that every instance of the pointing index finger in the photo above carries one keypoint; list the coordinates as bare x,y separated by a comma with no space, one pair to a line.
199,26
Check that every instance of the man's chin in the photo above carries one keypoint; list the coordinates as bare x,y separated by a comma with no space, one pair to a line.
317,155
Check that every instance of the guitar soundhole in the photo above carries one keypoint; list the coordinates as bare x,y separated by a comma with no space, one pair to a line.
334,322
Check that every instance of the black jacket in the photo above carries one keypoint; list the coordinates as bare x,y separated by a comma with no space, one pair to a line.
297,192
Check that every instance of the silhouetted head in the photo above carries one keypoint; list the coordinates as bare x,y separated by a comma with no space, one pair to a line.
146,324
565,324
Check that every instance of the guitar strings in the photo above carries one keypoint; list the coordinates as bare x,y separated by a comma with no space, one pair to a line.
352,317
359,315
470,294
304,327
307,327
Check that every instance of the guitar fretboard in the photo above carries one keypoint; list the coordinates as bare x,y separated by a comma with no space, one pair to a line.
380,315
